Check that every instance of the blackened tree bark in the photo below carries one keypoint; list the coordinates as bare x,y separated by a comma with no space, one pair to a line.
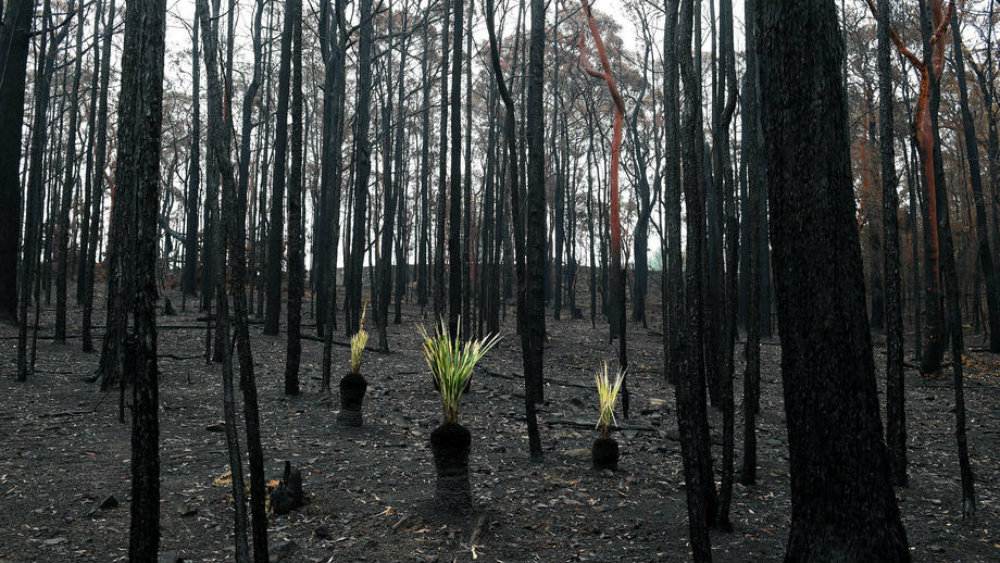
89,204
725,181
235,214
468,248
752,153
895,397
276,229
536,233
672,284
843,504
14,35
455,259
392,142
983,252
217,138
295,262
189,274
69,182
100,156
140,114
690,388
528,349
440,283
423,245
335,44
363,166
644,195
951,282
33,209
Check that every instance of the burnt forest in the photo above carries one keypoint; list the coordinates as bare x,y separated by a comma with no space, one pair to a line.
502,281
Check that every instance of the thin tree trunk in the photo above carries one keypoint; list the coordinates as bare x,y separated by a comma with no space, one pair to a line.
100,156
138,168
295,190
68,184
189,275
15,35
895,396
276,230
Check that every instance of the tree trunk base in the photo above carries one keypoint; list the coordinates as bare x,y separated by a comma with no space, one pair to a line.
451,444
605,454
352,395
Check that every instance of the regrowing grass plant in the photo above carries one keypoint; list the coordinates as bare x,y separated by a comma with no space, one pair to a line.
358,342
451,363
607,391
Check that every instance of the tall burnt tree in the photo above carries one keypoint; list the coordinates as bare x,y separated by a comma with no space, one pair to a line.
363,165
276,229
89,205
690,388
895,396
725,181
529,349
983,252
230,236
334,41
235,216
440,283
295,190
455,259
753,157
672,279
537,239
45,69
189,274
953,301
15,34
69,181
843,504
140,114
100,157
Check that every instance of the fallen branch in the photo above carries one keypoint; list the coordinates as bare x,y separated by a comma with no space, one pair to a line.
73,413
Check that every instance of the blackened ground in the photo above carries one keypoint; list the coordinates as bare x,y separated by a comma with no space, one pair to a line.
370,490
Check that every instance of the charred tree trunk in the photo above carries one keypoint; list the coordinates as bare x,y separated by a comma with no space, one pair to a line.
189,275
753,149
529,351
362,168
455,258
983,252
276,230
100,156
843,504
295,190
69,182
440,283
689,391
536,235
138,169
15,35
895,396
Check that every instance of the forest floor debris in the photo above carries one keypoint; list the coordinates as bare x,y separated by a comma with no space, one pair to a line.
370,489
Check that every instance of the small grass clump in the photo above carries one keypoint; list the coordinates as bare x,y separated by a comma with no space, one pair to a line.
607,391
451,363
358,342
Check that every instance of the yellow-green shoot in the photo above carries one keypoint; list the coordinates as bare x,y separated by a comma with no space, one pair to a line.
358,342
607,391
451,363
